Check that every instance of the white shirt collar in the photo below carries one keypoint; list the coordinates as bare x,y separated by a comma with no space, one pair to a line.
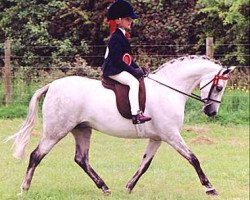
123,31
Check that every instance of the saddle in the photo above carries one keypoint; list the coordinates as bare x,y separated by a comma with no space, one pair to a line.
121,92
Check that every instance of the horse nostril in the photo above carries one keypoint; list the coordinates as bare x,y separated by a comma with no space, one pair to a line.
211,114
209,110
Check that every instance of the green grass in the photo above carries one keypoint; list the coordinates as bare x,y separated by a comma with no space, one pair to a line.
234,109
225,160
12,111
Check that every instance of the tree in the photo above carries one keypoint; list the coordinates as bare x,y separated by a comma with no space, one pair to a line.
166,27
228,22
45,31
29,25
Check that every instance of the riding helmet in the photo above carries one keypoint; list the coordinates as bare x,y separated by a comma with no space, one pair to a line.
121,9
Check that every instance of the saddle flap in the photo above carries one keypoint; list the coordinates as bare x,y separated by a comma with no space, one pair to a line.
122,98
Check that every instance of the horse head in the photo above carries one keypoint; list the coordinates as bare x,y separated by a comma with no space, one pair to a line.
192,71
212,88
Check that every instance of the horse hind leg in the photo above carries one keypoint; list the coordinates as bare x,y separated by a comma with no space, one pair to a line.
45,145
179,145
147,158
82,138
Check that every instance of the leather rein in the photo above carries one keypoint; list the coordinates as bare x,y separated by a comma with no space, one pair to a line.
215,82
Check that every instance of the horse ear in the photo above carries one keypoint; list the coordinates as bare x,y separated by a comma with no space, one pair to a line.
229,70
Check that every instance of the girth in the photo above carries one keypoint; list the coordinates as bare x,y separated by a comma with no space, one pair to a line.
121,93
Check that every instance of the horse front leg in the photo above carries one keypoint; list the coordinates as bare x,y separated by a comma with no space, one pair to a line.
179,145
82,139
147,158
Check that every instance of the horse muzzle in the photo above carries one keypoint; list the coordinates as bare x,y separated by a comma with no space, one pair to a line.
210,110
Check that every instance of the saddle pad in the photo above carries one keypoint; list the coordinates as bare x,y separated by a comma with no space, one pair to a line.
121,93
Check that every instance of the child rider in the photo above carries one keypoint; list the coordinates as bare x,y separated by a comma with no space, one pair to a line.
118,64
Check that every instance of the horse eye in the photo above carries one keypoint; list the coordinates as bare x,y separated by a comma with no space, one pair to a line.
219,88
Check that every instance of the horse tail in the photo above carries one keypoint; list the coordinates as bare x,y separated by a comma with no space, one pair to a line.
22,137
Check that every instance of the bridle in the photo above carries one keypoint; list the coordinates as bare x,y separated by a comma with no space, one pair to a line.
214,82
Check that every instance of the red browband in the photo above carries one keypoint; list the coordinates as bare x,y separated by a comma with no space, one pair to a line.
218,77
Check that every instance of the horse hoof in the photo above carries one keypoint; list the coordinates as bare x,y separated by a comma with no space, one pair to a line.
106,191
20,194
24,187
128,189
22,191
212,192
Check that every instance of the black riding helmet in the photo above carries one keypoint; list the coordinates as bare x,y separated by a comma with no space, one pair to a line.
121,9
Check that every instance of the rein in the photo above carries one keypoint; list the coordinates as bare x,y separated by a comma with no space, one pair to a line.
215,81
192,95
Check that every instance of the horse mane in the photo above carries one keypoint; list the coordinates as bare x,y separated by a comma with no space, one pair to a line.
189,57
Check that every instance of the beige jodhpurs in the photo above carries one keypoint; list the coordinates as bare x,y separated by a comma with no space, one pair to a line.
129,80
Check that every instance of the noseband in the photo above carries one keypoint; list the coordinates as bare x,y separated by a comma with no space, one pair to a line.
215,81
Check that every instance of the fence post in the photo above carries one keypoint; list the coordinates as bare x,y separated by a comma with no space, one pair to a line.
7,73
210,47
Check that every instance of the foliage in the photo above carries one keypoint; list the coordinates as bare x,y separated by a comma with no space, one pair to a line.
13,111
228,22
78,67
167,26
46,32
28,24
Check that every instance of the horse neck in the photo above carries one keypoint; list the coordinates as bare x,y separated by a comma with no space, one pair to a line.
186,75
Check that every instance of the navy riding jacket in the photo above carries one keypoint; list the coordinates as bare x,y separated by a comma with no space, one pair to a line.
118,45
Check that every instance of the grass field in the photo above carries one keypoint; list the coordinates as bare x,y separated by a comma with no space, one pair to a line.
222,150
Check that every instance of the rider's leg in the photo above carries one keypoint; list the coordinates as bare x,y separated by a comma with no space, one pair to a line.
129,80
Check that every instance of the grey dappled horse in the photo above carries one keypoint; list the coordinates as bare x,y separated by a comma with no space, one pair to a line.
78,105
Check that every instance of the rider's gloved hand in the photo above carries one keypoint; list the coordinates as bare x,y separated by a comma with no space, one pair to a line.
138,73
146,71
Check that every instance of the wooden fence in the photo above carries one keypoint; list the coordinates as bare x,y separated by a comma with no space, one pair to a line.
7,73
